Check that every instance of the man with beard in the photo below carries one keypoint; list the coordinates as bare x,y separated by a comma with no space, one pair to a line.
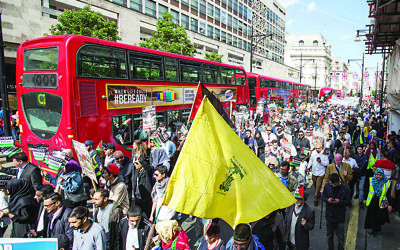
42,191
299,221
301,142
58,226
108,216
126,170
88,235
115,184
133,230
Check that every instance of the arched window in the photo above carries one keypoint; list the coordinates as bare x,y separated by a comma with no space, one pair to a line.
315,43
301,43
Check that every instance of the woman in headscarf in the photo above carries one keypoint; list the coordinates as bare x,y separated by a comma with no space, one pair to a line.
260,146
172,235
71,183
377,203
22,207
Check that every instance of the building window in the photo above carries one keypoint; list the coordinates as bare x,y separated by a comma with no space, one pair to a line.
203,9
175,17
223,17
235,5
229,20
210,10
194,25
234,41
217,14
240,44
185,21
120,2
240,9
315,43
136,5
244,45
150,8
185,2
202,28
161,10
301,43
240,26
245,12
244,29
210,31
217,34
194,4
230,4
235,23
223,2
229,39
223,36
249,14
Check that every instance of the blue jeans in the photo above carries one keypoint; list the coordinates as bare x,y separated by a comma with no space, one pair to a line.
361,189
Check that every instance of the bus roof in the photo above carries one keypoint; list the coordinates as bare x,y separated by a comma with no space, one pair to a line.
255,75
69,38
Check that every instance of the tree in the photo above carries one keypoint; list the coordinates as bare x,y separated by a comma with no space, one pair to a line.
213,57
85,22
170,37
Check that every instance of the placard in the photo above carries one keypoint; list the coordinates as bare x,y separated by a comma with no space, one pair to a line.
85,160
149,118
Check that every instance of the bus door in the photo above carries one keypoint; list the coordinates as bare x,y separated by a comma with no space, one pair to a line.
252,92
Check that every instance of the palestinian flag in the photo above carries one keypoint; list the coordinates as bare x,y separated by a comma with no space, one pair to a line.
158,139
101,146
294,161
320,121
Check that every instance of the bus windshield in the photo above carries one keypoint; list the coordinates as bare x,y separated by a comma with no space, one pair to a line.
41,59
43,113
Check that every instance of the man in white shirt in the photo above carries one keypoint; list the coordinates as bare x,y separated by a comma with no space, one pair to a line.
318,163
269,137
354,168
133,230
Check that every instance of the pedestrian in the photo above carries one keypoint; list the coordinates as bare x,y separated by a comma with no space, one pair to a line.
43,217
133,230
337,197
211,240
377,202
158,155
301,143
88,235
71,182
95,157
259,146
126,169
289,181
249,140
22,207
299,221
362,162
172,235
270,231
157,194
109,152
25,170
343,169
5,221
243,239
354,169
141,192
58,225
116,186
108,216
318,163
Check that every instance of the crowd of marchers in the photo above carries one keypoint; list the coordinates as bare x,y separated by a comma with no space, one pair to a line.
346,153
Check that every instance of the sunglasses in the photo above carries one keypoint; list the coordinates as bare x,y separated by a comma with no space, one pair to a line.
119,158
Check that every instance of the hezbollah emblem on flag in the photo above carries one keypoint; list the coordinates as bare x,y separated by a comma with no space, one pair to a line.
235,171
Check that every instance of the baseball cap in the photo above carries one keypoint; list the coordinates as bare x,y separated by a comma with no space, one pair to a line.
113,169
89,142
110,146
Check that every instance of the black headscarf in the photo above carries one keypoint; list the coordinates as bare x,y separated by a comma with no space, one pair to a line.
260,140
21,194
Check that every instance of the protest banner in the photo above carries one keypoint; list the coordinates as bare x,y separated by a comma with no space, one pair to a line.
85,160
30,243
7,141
149,118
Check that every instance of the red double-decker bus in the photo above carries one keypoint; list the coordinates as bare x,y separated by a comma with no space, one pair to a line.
83,88
283,92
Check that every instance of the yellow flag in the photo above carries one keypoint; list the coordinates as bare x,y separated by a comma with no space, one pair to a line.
218,176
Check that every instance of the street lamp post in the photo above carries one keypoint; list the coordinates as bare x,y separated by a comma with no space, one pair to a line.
383,78
362,74
315,83
261,36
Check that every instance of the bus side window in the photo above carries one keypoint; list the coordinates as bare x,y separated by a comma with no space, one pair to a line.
122,129
211,75
98,61
240,77
146,66
227,76
171,69
190,72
